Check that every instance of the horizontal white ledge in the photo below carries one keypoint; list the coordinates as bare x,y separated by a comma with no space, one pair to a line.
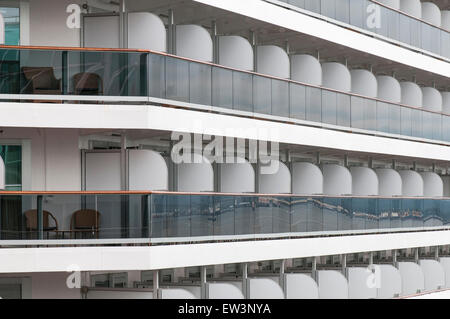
17,260
296,21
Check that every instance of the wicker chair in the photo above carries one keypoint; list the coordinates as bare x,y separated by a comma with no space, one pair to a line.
86,83
85,221
41,80
32,221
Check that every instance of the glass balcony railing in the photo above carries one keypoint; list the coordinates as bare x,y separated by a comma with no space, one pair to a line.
180,217
86,74
394,24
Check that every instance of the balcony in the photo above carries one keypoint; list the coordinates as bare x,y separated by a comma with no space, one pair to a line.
165,217
415,25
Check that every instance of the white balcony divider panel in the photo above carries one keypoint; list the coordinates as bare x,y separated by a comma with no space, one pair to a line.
277,183
336,76
197,176
445,263
390,284
147,171
432,99
103,171
412,183
445,102
364,181
237,178
223,291
389,182
445,19
358,279
307,179
412,278
431,13
395,4
364,82
411,94
176,293
101,32
105,294
337,180
332,285
301,286
146,31
272,60
389,89
434,275
446,186
433,185
2,174
236,52
264,288
306,68
194,42
411,7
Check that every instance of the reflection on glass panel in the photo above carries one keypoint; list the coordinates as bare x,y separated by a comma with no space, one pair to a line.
329,107
244,220
358,14
343,110
412,213
297,101
222,87
242,91
200,83
416,34
343,10
437,126
406,121
396,213
202,217
384,210
328,8
263,215
331,209
306,214
313,104
345,214
262,93
446,128
444,212
383,117
431,215
281,212
394,119
280,98
393,20
417,123
159,216
177,73
312,5
370,115
224,215
178,216
12,158
427,125
357,112
157,76
405,29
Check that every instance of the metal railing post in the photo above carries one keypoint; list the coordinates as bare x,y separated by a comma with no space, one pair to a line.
40,219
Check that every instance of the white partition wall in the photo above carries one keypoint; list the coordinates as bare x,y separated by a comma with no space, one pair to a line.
412,278
146,31
111,294
306,69
364,83
176,293
431,13
337,180
434,275
263,288
223,291
237,178
332,285
194,42
300,286
358,279
277,183
445,102
390,284
307,179
235,52
102,171
411,94
395,4
412,183
433,185
389,89
336,76
2,174
101,31
272,60
411,7
445,19
364,181
196,177
432,99
445,263
389,182
147,171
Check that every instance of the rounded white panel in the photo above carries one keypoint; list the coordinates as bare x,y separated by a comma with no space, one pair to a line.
433,186
264,288
272,60
411,94
445,102
389,89
197,176
194,42
411,7
278,183
147,171
431,13
301,286
237,178
336,76
445,19
412,278
364,83
389,182
337,180
432,99
412,183
332,285
395,4
390,283
235,52
219,290
2,175
146,31
358,277
306,69
364,181
433,273
307,179
176,293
